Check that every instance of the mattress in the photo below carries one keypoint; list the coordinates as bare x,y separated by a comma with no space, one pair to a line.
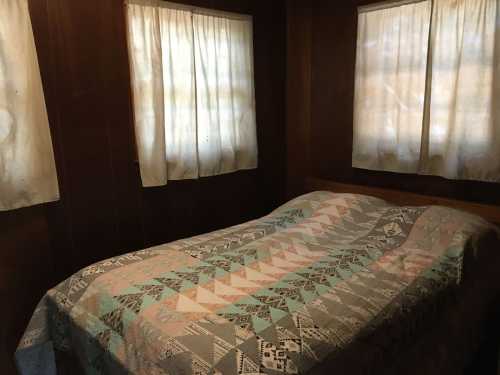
325,281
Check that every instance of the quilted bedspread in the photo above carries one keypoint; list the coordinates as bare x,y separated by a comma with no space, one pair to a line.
277,295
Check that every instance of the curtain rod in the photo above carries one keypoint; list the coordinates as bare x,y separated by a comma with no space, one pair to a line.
386,5
192,8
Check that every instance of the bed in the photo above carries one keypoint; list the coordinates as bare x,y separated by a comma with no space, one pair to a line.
327,283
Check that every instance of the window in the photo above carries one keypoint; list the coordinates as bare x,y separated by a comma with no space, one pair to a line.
427,89
27,169
193,91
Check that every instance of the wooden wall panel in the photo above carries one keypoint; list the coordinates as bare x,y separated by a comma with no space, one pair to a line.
26,270
333,53
103,210
299,40
270,80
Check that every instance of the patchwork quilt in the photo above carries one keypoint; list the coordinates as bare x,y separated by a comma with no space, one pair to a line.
277,295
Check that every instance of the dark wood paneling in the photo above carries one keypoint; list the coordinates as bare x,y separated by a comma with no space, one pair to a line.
333,53
26,270
334,33
299,39
103,210
270,82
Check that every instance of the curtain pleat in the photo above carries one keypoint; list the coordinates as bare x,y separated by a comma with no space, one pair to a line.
225,94
464,122
179,93
390,87
27,169
146,66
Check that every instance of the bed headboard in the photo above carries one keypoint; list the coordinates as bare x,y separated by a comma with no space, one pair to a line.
488,212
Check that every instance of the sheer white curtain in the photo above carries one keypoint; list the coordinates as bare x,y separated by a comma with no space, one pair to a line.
27,169
225,94
162,67
193,91
463,138
179,93
440,117
390,87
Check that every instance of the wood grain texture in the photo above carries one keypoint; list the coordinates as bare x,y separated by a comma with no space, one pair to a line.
104,211
26,269
299,39
489,212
